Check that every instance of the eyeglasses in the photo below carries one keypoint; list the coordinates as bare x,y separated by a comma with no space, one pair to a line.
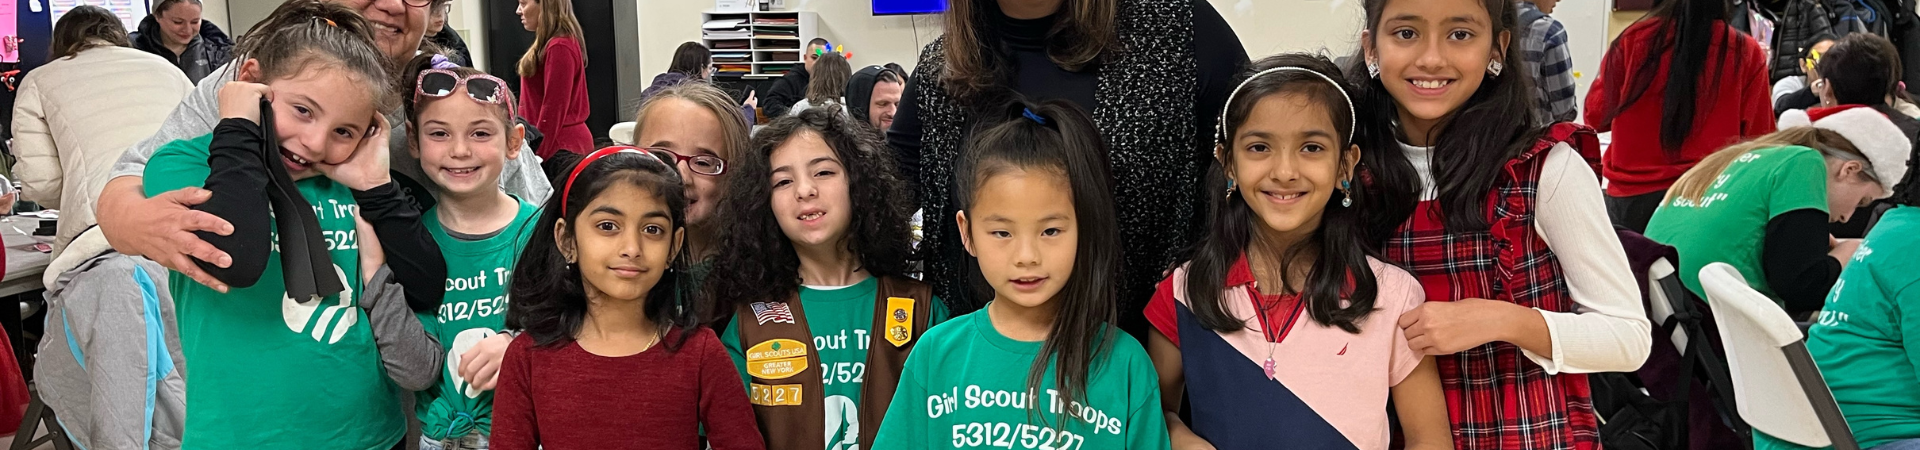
419,3
702,164
483,88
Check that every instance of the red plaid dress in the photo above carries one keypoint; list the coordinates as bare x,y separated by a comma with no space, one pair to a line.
1496,397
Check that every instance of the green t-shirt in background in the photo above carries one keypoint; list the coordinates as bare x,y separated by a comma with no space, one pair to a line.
270,372
965,386
1729,222
840,319
1867,338
475,308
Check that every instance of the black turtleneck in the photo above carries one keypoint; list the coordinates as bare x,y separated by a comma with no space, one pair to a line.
1034,73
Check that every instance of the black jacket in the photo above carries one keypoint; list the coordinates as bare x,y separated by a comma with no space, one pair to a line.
786,91
208,51
452,46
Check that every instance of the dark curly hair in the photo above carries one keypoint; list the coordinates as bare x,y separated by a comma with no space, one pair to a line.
756,262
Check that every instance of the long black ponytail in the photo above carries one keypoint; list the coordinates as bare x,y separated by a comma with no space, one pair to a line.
1058,136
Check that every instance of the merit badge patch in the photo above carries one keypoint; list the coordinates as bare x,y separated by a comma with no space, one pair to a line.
899,320
777,359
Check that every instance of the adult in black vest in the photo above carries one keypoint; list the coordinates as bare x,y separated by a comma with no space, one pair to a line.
176,32
1154,74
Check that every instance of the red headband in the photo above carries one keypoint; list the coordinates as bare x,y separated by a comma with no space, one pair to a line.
591,157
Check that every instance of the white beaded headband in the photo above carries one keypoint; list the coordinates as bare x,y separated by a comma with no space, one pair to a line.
1352,115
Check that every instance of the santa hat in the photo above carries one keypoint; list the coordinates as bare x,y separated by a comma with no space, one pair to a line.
1870,131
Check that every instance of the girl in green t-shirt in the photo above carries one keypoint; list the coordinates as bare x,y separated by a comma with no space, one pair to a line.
1764,207
813,214
1041,366
290,349
463,133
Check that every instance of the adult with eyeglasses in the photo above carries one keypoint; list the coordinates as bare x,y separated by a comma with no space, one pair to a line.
697,127
162,228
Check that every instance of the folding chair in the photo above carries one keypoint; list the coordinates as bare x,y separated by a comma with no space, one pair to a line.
1778,387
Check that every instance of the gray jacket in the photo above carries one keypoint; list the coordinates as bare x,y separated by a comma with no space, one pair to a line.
111,338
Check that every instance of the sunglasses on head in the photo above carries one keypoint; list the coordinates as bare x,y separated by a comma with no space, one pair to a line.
483,88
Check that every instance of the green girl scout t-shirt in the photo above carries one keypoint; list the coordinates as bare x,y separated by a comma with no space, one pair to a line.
475,309
1729,222
965,387
272,372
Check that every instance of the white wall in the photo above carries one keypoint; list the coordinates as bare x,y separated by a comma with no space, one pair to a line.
216,11
466,20
244,13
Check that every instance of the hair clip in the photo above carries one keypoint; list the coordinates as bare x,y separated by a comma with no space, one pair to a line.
1035,117
327,21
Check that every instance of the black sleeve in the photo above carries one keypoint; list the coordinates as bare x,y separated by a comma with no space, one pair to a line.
1794,257
1221,57
781,97
410,249
904,136
238,180
1801,99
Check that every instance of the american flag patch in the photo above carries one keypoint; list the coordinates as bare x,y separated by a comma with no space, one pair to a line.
772,312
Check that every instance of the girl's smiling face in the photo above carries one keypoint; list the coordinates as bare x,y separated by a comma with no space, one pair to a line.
1433,56
688,130
463,144
320,115
1287,163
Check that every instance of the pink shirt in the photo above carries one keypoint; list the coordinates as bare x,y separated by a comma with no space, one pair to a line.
1343,377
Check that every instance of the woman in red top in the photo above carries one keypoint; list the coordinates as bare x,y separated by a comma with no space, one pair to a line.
1676,86
553,77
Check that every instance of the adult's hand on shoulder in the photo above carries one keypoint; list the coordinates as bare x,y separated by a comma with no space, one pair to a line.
162,228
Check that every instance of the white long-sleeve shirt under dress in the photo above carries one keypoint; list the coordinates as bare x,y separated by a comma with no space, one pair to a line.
1609,330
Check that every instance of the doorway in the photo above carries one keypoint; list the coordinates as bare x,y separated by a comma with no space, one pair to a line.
508,41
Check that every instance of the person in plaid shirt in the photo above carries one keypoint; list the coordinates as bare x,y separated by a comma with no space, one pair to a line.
1527,285
1544,47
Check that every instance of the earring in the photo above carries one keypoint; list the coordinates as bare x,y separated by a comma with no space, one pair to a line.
1494,67
1373,68
1346,194
1230,188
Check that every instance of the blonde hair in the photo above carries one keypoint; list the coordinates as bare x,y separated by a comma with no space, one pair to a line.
556,20
737,135
1831,144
